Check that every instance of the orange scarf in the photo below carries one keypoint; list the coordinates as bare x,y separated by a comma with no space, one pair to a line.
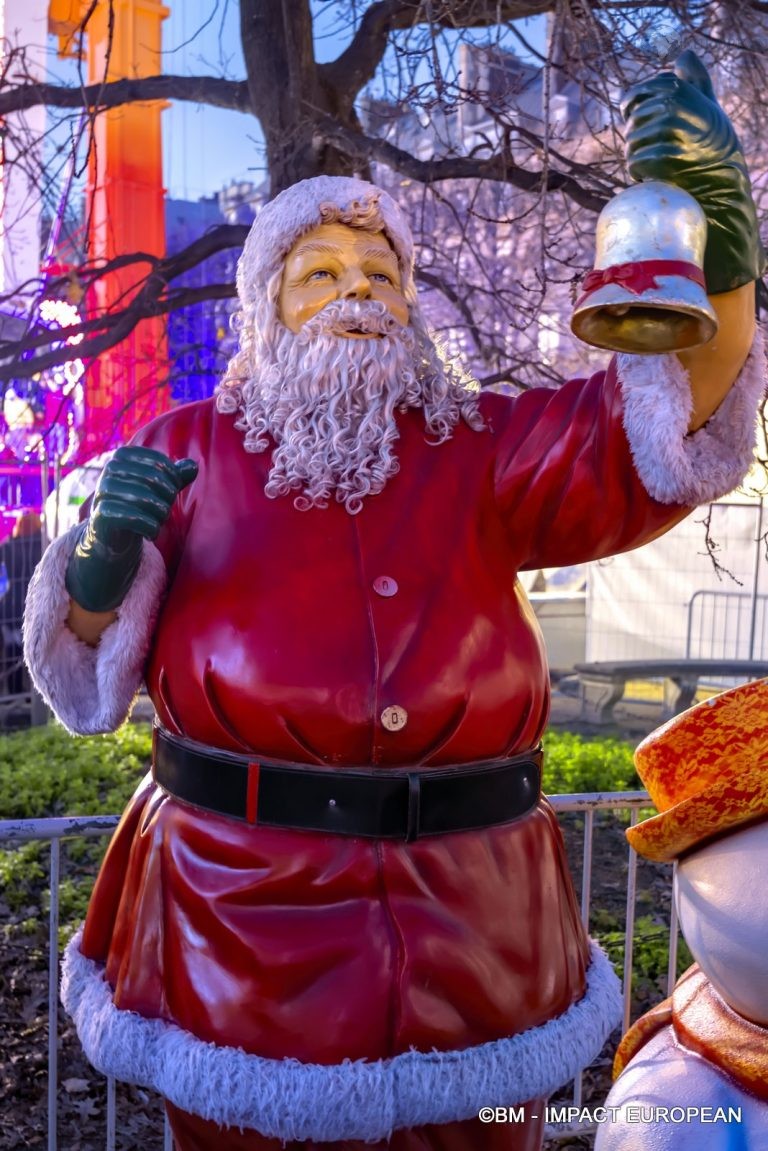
704,1023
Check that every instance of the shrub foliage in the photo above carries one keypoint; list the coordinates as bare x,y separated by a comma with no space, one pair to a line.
47,772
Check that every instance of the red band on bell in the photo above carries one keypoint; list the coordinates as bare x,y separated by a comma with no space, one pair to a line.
252,794
639,276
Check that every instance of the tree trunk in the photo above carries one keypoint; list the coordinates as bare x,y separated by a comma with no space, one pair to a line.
288,91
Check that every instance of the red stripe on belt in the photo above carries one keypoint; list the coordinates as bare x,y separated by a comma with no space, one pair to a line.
252,795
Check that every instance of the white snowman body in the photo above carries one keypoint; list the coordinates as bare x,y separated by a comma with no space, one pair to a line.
721,891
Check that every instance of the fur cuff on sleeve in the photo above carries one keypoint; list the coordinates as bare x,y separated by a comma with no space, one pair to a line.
677,468
90,689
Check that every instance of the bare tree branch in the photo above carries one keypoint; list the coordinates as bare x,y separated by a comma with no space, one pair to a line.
472,142
499,167
440,285
153,298
106,331
212,90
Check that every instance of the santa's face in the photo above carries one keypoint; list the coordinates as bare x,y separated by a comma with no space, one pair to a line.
335,262
322,377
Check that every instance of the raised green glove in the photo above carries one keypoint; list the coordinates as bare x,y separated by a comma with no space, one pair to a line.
677,131
132,501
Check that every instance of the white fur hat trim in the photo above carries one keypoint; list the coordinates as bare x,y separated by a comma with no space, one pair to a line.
296,211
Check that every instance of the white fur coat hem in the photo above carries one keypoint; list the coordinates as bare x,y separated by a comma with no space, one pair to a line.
89,689
286,1099
676,467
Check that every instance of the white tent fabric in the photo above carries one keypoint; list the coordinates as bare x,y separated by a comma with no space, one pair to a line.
668,600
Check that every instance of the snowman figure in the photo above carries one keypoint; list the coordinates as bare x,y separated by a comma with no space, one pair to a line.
693,1072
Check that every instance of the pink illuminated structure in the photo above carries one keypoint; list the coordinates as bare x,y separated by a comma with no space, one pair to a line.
127,385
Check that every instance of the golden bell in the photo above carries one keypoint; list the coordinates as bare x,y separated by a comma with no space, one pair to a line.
647,292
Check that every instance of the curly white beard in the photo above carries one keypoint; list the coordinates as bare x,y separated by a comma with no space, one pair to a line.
328,401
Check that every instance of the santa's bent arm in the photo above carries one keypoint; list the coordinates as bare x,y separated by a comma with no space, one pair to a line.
94,598
133,499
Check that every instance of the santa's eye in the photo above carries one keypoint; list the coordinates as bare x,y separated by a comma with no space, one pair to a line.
319,274
381,278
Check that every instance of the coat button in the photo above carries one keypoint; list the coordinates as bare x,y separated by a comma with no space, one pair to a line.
385,585
393,718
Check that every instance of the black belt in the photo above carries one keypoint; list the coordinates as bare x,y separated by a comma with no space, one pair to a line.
376,803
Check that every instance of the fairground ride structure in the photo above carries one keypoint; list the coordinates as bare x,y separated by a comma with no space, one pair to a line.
128,384
67,415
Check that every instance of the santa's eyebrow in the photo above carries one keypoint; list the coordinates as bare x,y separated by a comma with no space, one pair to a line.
384,253
317,246
322,247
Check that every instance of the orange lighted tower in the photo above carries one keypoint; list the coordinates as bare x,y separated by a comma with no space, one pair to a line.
128,384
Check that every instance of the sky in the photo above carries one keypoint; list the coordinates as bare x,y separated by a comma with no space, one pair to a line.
204,148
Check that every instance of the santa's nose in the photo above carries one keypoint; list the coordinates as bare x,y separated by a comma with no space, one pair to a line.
354,285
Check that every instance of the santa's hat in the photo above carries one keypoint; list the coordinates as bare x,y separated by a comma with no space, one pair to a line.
706,771
297,210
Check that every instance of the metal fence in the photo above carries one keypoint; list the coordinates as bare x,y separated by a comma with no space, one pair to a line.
18,556
15,832
727,625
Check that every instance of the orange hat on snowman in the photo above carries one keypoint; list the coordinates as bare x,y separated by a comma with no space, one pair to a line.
706,771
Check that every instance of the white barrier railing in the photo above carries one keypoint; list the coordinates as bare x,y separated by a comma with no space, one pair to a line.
24,831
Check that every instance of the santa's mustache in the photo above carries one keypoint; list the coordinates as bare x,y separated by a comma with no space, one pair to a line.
368,317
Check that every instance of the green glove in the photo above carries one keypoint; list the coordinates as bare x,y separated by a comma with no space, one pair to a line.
133,499
677,131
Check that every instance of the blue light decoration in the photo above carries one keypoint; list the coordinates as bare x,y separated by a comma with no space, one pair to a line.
194,332
45,412
200,341
42,415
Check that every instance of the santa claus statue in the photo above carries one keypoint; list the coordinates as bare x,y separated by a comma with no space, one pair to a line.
339,911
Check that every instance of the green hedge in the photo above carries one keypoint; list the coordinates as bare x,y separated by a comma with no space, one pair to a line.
573,763
45,772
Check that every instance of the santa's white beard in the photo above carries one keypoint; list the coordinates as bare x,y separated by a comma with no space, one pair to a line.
328,401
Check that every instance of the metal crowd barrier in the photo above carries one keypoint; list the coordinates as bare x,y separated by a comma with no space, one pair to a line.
727,625
13,832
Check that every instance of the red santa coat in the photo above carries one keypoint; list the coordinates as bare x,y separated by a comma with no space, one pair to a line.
279,638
